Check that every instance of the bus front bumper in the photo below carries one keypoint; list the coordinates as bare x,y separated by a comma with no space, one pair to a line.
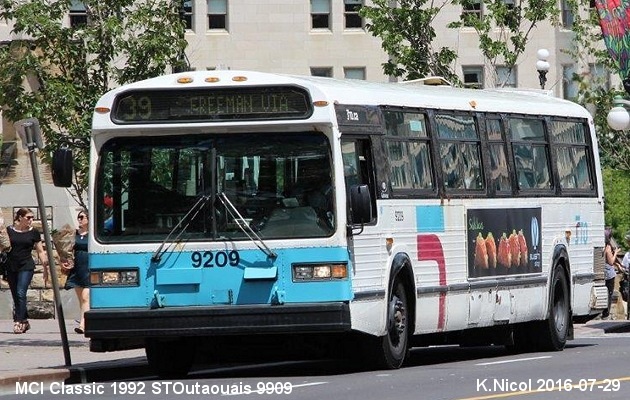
134,323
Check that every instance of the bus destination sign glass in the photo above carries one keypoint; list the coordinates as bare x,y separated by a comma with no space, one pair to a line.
216,104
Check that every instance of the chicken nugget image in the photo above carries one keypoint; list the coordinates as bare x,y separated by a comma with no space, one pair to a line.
481,253
515,249
491,249
504,256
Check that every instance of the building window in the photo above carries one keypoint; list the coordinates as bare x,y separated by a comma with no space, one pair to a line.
354,73
320,14
322,71
351,13
506,77
78,14
473,77
217,14
511,14
187,14
471,11
599,76
569,84
567,14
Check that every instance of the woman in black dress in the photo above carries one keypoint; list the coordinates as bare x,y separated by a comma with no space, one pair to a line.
79,273
21,266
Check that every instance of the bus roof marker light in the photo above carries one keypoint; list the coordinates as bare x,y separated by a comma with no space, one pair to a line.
239,78
185,79
212,79
473,103
320,103
102,110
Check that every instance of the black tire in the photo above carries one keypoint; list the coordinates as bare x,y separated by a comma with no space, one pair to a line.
390,351
170,359
554,331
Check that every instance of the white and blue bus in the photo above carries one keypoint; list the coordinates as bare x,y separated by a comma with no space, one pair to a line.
232,206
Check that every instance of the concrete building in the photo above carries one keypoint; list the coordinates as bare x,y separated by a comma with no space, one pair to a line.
328,37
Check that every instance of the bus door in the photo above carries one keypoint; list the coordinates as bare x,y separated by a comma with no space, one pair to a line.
358,170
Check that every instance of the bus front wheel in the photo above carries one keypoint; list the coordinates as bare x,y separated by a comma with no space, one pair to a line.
390,351
170,358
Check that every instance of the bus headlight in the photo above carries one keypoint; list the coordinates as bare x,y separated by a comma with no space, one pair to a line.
128,277
319,272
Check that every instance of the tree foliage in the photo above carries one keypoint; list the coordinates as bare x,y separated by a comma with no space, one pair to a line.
505,28
617,205
56,73
407,35
593,91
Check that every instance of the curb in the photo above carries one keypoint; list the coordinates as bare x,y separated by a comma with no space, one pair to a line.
608,326
618,327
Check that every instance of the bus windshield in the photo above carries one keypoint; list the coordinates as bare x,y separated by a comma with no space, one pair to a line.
280,183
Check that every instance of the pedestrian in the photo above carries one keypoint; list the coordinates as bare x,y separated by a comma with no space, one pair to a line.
624,283
626,258
77,269
611,250
21,266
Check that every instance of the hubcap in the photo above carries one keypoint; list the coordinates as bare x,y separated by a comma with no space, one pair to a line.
397,320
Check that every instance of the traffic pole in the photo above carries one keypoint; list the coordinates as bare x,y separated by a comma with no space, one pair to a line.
31,145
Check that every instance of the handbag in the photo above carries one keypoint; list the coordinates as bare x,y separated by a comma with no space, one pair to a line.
4,258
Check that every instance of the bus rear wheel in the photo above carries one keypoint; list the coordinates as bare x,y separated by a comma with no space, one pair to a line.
170,358
554,331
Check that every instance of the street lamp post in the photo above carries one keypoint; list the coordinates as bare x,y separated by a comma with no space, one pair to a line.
618,118
542,65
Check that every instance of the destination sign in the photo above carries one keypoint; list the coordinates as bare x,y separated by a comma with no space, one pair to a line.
212,104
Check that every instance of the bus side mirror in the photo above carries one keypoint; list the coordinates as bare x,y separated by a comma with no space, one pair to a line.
62,167
361,204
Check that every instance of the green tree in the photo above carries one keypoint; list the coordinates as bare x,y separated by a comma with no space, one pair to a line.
407,35
617,205
593,91
59,72
505,27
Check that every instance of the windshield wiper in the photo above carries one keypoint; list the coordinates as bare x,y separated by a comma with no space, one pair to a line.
244,226
196,208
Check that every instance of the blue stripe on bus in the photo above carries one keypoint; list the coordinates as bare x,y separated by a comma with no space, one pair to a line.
430,219
179,283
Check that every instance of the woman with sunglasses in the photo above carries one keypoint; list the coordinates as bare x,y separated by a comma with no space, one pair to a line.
79,274
21,266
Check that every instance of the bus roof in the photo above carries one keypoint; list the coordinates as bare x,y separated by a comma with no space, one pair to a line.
352,91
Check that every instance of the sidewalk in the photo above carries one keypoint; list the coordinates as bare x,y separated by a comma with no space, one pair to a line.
37,356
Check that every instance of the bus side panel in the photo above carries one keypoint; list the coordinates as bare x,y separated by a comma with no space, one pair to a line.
369,277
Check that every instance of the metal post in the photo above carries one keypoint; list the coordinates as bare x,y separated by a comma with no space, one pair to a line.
31,146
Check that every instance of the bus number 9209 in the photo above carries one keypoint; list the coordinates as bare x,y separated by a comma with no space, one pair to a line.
208,259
